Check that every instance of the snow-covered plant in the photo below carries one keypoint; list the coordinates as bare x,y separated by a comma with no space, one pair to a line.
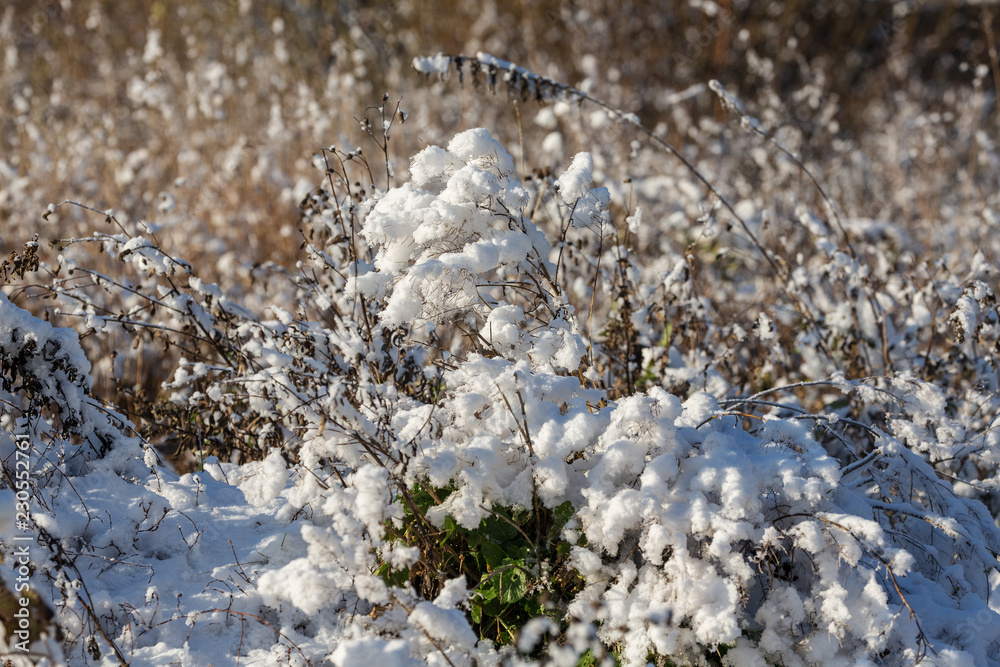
476,427
54,432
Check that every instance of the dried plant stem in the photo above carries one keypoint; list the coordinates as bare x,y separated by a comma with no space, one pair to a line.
524,84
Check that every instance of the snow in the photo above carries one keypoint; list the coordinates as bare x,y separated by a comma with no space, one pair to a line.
369,650
261,482
693,527
448,625
575,182
438,64
477,147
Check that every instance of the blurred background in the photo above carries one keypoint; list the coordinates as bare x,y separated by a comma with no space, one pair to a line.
203,118
213,109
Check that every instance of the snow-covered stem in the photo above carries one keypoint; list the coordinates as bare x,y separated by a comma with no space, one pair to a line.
524,84
427,458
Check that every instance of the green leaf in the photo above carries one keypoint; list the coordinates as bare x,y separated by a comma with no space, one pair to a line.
450,525
476,612
513,585
499,530
493,554
397,578
564,512
520,516
492,608
521,553
668,334
489,591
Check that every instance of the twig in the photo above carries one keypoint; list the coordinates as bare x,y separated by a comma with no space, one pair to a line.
264,622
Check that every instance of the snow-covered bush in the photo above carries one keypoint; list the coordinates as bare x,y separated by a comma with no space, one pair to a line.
649,387
429,454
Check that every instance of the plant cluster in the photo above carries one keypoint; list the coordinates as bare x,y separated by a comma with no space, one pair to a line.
463,469
728,396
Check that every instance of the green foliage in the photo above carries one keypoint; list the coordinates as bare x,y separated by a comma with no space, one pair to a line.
515,561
